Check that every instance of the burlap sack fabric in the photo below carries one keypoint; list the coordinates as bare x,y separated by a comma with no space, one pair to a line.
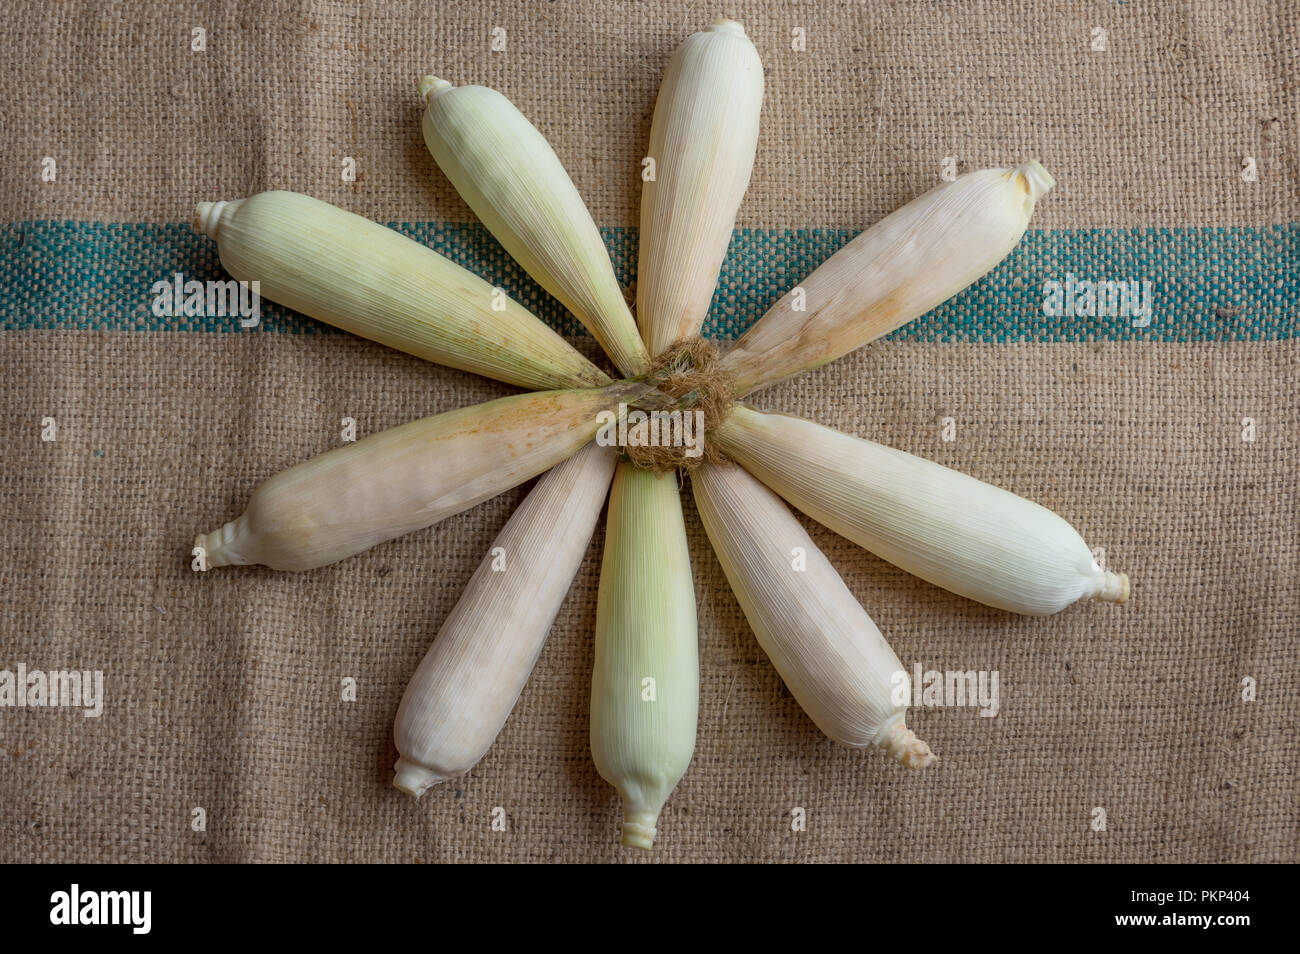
222,690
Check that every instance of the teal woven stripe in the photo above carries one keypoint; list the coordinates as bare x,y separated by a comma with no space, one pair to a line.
1220,284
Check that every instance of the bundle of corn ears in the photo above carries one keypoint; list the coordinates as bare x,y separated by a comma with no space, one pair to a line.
954,531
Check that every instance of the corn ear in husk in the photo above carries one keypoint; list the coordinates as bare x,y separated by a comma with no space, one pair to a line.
957,532
464,689
831,655
702,142
352,273
408,477
506,171
903,266
646,680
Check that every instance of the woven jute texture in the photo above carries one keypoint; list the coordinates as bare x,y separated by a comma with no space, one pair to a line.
223,692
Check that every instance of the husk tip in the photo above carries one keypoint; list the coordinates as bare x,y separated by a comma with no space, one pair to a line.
414,779
905,748
1115,588
724,25
639,830
216,546
1038,181
432,84
207,217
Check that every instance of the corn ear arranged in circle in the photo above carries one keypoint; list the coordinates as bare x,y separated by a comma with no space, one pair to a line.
465,687
406,478
831,655
702,143
352,273
507,172
645,683
903,266
957,532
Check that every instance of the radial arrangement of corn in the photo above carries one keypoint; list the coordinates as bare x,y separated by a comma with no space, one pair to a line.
676,412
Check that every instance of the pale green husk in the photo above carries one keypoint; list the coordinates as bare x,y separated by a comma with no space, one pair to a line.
646,643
